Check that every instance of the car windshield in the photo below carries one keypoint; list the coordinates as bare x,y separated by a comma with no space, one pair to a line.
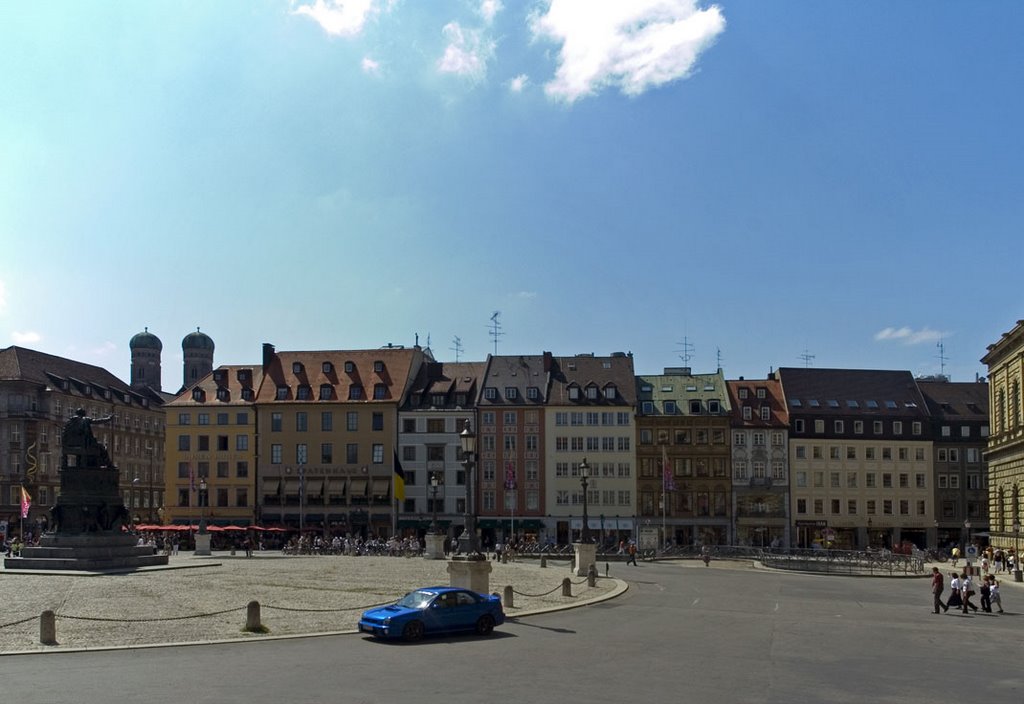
416,600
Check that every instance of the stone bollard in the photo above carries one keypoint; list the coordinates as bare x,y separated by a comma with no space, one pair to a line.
252,618
566,587
543,560
507,597
48,628
591,576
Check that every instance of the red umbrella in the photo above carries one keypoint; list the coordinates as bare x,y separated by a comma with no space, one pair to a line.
233,528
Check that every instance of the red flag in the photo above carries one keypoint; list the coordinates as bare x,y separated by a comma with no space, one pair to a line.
510,476
26,502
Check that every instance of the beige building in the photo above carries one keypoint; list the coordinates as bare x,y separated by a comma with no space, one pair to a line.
211,455
1005,360
328,435
591,404
860,458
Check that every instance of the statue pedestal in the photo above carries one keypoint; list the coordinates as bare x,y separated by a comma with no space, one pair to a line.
202,544
471,572
433,546
585,556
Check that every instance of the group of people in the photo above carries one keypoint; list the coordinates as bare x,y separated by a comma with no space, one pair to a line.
962,589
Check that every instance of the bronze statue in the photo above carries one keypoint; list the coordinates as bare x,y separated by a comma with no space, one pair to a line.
79,440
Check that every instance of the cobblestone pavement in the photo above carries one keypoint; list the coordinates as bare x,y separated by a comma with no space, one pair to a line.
298,595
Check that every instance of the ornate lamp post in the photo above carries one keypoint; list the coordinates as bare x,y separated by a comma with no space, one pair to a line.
584,480
469,543
434,482
1018,576
202,506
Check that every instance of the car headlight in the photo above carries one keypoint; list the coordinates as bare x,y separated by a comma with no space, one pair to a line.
387,621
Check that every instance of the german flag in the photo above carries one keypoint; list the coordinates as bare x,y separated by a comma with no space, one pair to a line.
399,479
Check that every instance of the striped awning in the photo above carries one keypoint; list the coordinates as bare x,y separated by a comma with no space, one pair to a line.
358,487
335,487
381,487
271,485
291,486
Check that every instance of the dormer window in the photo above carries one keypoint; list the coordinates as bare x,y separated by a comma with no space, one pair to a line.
327,368
592,393
490,393
304,393
296,367
647,407
282,393
248,394
350,367
532,393
460,400
437,400
760,393
380,391
355,392
670,408
197,395
378,366
218,376
714,407
695,408
611,392
511,392
574,393
326,392
743,393
223,395
244,375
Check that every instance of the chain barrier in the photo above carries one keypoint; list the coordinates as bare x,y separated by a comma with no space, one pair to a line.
149,620
535,596
17,623
325,611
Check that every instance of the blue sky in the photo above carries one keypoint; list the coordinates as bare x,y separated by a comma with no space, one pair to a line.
760,178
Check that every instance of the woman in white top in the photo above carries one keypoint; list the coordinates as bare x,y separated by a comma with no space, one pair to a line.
955,600
966,591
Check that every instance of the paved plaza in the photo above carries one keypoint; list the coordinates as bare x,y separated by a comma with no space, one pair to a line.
298,595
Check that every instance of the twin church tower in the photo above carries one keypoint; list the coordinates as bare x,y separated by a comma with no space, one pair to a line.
197,352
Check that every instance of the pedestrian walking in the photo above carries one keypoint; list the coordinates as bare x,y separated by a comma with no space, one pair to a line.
955,597
937,591
993,593
631,551
966,592
956,555
986,602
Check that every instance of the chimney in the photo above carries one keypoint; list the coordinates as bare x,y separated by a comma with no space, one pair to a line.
268,354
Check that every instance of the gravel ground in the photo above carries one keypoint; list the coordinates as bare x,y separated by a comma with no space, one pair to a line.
312,595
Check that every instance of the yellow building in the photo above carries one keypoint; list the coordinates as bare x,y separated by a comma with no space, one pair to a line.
327,437
211,452
1005,360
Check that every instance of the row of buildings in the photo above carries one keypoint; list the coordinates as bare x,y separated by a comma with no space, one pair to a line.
313,439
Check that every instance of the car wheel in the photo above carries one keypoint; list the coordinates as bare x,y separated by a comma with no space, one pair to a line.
413,630
485,625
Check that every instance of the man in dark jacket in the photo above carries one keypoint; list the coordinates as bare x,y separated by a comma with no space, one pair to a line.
937,590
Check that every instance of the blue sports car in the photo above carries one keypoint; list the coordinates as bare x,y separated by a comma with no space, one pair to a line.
434,610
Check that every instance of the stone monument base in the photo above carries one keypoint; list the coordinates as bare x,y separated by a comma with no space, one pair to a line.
87,552
433,546
471,572
585,556
202,544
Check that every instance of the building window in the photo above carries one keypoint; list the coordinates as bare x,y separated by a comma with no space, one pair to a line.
326,453
275,454
378,453
897,427
819,426
380,391
241,469
352,421
282,393
355,392
301,422
858,427
490,393
352,453
326,392
275,422
839,427
378,421
915,427
301,453
511,393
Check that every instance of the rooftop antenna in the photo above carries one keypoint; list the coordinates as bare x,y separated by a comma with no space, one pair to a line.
941,344
496,332
718,358
456,347
686,351
807,357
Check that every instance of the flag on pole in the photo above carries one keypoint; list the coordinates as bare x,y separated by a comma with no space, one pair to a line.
26,502
399,479
510,476
668,482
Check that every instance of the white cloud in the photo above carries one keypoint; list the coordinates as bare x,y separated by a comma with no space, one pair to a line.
908,336
517,84
634,45
528,295
467,53
370,66
25,338
338,17
488,9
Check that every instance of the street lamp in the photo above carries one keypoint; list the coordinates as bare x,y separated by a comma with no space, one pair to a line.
1018,576
967,527
469,543
584,480
434,481
202,506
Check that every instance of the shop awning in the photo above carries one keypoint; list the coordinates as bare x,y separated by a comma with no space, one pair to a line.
271,485
381,487
314,487
358,487
335,487
291,486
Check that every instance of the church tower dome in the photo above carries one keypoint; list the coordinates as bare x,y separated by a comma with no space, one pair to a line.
145,350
